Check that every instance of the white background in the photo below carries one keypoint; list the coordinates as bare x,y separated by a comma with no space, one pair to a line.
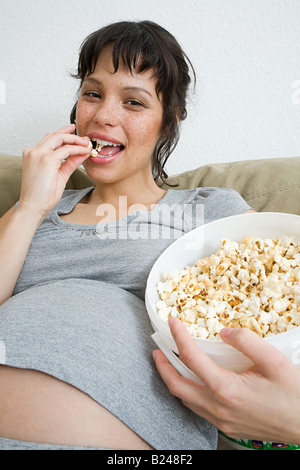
246,54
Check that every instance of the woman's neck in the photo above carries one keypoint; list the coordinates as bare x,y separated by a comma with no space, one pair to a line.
141,192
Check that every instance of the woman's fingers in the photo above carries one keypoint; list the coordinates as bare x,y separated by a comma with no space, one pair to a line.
71,164
65,151
54,158
179,386
48,165
195,359
264,356
66,139
57,140
58,146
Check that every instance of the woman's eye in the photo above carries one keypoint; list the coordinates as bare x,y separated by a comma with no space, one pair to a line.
134,103
92,94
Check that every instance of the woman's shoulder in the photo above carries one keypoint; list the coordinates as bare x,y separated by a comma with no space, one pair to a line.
71,197
213,203
201,194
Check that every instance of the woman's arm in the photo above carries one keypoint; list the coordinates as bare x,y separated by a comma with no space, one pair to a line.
262,403
17,229
44,178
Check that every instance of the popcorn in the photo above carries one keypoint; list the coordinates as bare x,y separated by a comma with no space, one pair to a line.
252,284
95,149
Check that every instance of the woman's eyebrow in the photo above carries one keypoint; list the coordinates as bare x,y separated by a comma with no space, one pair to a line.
93,80
138,90
126,88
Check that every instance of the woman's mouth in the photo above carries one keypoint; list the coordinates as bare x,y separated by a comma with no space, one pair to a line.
104,151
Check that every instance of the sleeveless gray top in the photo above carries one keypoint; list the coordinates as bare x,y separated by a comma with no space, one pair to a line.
78,312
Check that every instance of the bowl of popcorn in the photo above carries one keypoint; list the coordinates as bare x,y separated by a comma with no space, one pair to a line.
239,272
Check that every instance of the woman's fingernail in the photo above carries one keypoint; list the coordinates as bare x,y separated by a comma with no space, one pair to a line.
226,332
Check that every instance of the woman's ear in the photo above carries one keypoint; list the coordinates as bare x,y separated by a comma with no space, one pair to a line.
179,115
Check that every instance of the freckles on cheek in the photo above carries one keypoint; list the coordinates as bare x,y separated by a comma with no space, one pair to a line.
83,116
148,133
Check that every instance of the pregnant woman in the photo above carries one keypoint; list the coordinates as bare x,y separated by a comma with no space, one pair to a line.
78,370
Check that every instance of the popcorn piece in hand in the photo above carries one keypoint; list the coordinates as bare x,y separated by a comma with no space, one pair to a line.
95,149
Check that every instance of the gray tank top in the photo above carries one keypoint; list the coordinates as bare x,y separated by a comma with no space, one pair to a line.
78,312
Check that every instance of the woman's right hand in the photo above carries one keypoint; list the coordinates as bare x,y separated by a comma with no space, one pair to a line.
45,173
261,403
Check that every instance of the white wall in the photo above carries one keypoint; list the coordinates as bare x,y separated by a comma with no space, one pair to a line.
246,54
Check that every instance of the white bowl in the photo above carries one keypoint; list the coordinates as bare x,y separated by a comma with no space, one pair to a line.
202,242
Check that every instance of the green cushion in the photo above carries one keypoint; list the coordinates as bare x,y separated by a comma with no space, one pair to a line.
268,185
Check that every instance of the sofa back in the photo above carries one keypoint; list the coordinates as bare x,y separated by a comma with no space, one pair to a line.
268,185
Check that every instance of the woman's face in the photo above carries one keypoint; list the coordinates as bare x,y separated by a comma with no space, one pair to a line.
121,109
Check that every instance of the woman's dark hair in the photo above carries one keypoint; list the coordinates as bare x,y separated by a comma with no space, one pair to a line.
141,46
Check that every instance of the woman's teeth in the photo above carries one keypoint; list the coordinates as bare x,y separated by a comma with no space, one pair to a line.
96,146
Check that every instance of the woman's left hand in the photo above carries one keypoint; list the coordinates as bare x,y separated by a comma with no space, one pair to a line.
261,403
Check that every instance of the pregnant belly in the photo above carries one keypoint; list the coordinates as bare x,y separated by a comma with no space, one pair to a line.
36,407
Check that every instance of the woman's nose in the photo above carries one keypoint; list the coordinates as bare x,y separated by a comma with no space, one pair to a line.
108,113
